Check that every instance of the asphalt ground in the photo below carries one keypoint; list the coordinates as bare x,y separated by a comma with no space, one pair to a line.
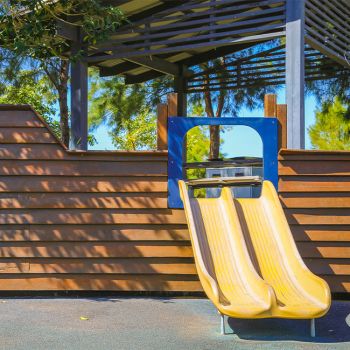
157,323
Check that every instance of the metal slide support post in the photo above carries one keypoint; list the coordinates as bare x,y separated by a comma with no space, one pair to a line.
313,328
222,323
295,73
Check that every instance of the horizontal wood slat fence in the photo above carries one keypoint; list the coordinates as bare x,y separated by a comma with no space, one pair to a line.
72,220
314,188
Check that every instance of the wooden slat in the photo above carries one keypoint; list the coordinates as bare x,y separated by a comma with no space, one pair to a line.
314,168
329,266
314,184
92,216
56,152
82,168
95,250
314,200
82,184
327,233
105,282
312,156
324,249
26,135
89,232
339,216
318,155
19,119
145,266
83,200
338,284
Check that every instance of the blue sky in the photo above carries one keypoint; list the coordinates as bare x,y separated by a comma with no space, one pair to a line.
239,141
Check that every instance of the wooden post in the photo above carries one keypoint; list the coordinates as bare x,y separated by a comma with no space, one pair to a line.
162,126
172,104
279,111
79,100
295,72
282,125
270,105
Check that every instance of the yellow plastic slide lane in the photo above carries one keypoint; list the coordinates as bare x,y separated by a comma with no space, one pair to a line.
300,293
224,267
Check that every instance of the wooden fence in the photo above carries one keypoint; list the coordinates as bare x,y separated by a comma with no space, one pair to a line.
314,188
99,220
85,220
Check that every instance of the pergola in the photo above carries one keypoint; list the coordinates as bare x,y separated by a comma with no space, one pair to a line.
172,37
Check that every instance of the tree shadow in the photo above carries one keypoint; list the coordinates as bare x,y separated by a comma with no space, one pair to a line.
86,221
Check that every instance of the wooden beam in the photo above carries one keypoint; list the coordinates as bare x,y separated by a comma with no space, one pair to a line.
295,73
190,61
117,69
159,65
141,78
79,100
67,31
188,46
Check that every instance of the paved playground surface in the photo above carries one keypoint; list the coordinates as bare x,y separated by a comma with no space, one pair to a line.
156,323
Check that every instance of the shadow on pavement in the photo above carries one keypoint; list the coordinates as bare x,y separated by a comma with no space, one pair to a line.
332,328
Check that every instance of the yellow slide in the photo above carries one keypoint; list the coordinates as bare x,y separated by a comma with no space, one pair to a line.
247,260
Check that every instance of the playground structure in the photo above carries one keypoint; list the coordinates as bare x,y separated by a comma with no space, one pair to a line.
78,220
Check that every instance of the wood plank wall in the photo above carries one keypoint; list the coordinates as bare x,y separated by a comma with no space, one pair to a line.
99,220
314,188
85,220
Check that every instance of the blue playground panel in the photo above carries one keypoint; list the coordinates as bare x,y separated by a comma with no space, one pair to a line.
179,126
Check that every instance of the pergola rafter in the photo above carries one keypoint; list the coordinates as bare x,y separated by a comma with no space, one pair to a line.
262,69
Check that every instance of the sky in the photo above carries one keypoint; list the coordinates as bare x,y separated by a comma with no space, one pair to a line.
239,140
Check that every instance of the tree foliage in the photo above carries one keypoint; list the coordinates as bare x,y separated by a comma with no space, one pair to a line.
327,91
28,36
36,93
136,133
29,27
331,130
198,148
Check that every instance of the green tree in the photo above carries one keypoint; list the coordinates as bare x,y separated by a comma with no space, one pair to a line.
28,33
40,98
125,109
331,130
198,148
137,132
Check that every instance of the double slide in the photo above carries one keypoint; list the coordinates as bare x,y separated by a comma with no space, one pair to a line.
247,260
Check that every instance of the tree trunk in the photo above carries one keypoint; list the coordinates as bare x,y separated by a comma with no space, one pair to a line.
63,101
214,152
213,129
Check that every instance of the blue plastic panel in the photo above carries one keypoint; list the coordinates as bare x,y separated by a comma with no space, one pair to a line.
179,126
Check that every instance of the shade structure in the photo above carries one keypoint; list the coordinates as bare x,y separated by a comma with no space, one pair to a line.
170,37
